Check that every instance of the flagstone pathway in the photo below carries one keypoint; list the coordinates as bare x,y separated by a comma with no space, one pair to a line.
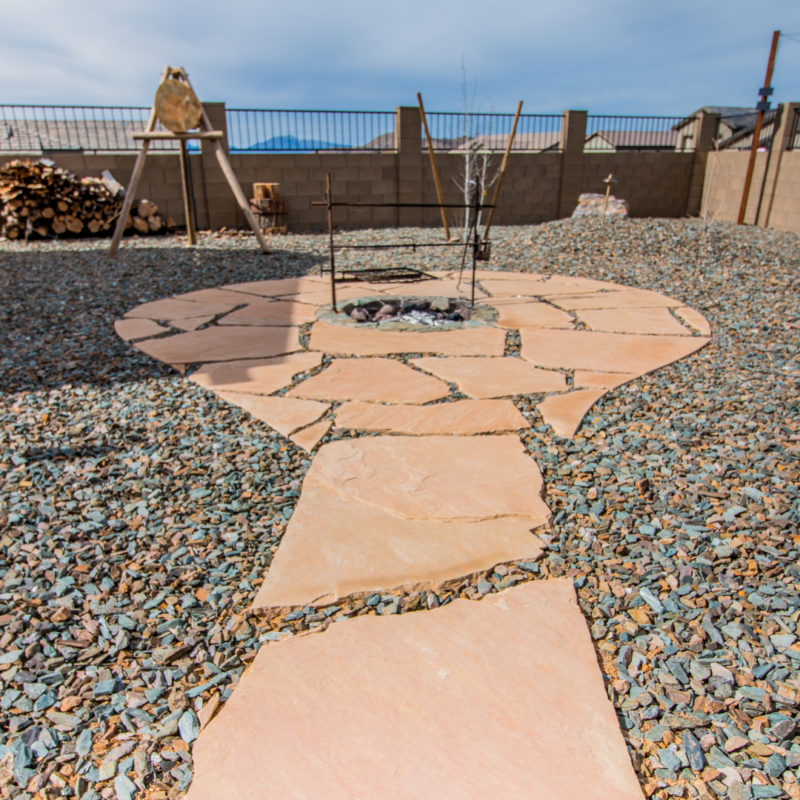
477,698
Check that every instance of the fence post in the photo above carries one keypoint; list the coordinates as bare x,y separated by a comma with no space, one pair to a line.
781,141
706,127
212,193
408,143
573,139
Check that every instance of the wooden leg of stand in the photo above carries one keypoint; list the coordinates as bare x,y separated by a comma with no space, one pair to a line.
187,201
239,195
130,193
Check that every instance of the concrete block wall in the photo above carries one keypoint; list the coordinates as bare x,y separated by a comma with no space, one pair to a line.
724,183
538,186
655,184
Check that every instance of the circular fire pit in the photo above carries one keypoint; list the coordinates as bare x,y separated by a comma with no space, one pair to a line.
408,313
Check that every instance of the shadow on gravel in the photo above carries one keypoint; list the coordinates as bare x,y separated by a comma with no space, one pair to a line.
59,306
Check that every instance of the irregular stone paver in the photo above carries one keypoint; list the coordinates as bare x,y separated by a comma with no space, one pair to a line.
171,308
499,275
322,296
494,377
605,352
439,288
222,344
626,298
516,288
378,380
190,323
277,288
132,329
633,320
601,380
308,438
434,477
217,296
363,549
352,341
695,319
497,698
462,418
257,376
271,312
283,414
564,285
564,412
531,315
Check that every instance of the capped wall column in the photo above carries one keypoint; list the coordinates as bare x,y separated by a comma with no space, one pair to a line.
410,176
573,139
781,142
706,127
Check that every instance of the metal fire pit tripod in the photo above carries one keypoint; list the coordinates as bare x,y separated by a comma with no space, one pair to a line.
480,248
177,108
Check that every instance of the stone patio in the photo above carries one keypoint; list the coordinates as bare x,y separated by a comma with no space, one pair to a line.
444,491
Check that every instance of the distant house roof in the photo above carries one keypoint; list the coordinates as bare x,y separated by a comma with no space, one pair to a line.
45,135
535,142
631,140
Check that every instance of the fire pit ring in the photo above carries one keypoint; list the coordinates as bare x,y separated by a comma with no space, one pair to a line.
409,313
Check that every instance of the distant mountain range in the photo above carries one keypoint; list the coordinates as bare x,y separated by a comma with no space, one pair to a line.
293,143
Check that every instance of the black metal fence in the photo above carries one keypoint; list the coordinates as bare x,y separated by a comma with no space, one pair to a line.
28,129
454,131
614,133
736,132
76,129
266,131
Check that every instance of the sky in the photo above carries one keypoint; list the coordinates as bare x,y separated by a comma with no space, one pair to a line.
612,57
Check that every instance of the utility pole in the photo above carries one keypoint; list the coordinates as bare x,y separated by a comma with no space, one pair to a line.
762,106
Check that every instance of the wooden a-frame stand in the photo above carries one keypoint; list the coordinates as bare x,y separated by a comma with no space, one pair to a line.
205,132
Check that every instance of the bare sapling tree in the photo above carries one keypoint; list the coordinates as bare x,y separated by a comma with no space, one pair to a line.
478,169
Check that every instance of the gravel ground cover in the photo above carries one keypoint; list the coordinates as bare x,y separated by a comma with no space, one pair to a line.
138,513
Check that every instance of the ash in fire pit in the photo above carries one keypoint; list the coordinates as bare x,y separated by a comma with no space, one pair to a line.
409,313
419,311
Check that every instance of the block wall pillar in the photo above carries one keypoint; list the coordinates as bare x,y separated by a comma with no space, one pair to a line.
573,138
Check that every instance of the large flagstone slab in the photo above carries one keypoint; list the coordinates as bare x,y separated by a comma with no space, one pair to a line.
322,296
498,698
531,315
284,286
434,477
308,438
222,344
605,352
377,380
461,418
190,323
601,380
255,376
657,321
132,329
626,298
271,312
565,412
339,340
172,308
281,413
216,296
695,320
494,377
335,548
520,287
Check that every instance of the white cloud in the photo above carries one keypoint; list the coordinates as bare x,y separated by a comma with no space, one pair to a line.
619,56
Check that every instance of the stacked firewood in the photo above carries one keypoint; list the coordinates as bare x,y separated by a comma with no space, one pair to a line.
40,200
